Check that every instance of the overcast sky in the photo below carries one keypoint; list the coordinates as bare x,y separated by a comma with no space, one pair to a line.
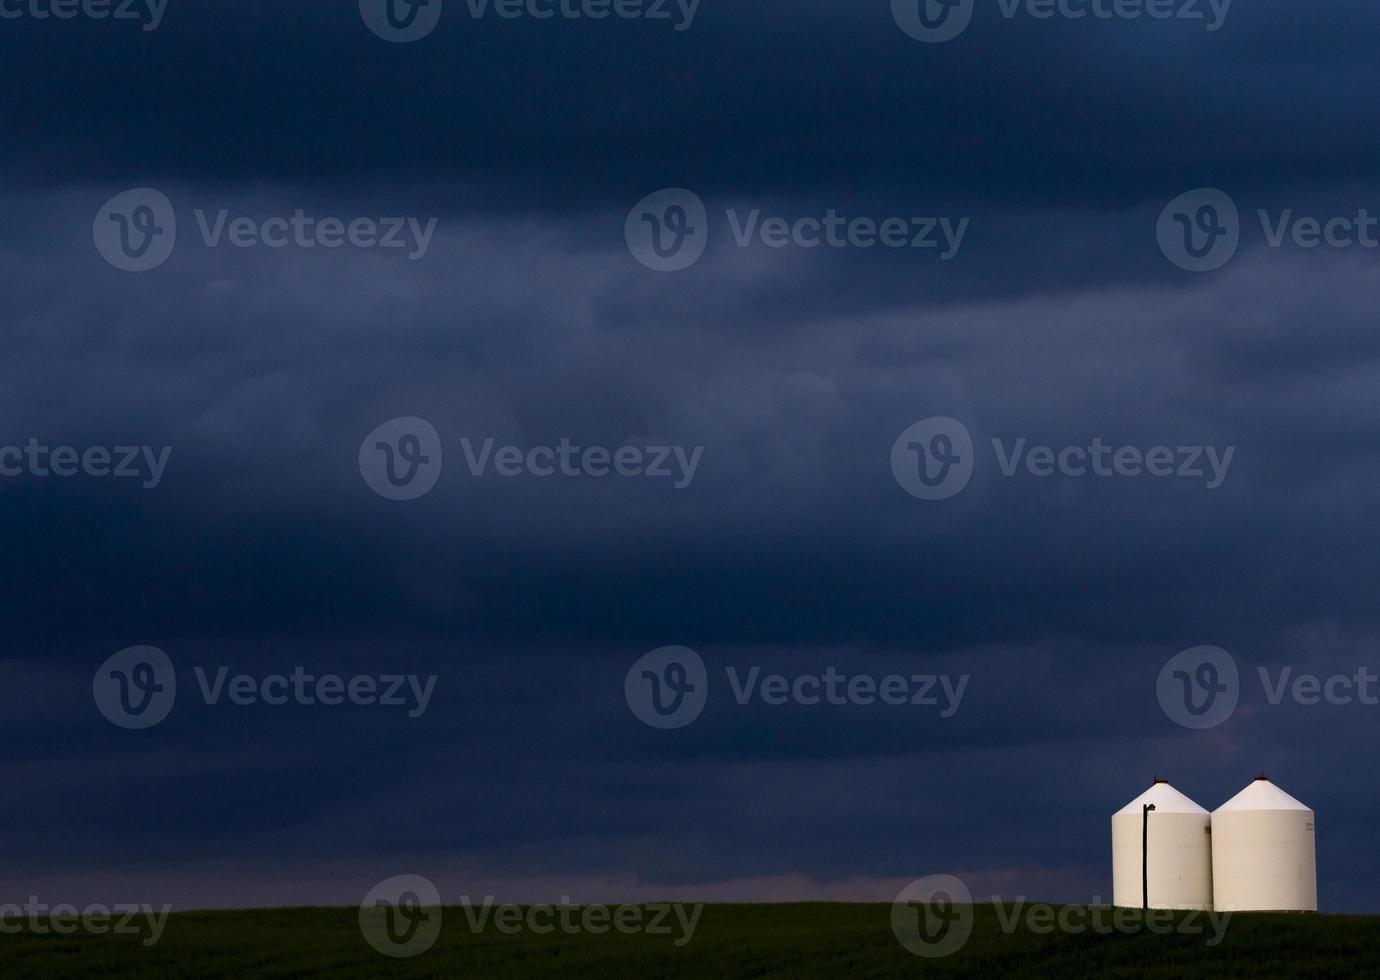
528,316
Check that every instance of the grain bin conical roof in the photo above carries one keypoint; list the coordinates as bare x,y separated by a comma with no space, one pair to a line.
1166,798
1262,795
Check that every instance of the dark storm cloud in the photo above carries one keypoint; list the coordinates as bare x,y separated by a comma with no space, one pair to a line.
273,367
759,97
793,548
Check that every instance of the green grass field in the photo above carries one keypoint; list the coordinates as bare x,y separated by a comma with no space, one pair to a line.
825,941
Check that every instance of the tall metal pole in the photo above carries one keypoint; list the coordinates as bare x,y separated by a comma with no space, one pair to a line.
1145,856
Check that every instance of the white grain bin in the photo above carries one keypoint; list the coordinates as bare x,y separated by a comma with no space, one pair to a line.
1179,852
1263,857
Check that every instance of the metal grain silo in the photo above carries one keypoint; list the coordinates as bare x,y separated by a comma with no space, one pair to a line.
1263,852
1162,852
